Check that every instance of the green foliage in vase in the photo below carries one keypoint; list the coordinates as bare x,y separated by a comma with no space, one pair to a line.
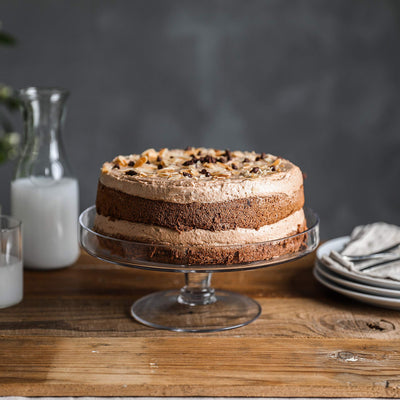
9,139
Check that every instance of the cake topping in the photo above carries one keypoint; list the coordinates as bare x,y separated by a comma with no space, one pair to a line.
189,162
208,159
197,163
140,162
228,155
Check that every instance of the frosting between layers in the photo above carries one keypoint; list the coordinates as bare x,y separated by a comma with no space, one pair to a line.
198,237
177,183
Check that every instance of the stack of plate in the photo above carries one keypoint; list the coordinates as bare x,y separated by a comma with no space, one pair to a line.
377,291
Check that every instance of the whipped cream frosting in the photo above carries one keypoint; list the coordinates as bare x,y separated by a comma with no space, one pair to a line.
199,237
201,175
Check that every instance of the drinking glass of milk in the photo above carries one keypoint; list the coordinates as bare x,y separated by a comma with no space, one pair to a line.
11,271
44,193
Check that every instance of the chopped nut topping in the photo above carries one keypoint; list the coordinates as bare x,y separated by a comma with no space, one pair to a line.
276,162
195,163
121,161
106,168
140,162
150,154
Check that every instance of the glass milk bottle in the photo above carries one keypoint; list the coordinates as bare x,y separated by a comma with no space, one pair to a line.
44,194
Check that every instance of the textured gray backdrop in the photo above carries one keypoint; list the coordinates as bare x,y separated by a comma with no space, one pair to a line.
317,82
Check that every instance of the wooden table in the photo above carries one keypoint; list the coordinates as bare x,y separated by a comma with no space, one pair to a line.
73,336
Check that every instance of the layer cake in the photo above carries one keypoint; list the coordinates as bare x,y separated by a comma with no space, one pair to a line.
202,206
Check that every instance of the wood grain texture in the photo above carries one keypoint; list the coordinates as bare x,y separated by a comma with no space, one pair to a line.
73,335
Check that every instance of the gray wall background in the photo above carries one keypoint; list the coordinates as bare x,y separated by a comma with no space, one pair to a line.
314,81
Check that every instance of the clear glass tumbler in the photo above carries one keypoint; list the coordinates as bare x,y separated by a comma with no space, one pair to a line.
11,269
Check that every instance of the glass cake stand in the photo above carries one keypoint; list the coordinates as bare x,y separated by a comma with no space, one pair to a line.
197,307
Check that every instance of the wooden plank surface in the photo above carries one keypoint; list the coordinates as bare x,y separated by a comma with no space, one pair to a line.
73,336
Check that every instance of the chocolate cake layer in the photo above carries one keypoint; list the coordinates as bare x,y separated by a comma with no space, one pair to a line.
252,212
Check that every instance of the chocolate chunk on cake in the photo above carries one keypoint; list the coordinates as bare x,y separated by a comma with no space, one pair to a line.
204,206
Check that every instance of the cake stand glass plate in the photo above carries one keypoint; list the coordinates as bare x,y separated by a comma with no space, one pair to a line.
196,307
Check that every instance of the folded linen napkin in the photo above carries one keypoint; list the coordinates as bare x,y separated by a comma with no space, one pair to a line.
372,238
377,238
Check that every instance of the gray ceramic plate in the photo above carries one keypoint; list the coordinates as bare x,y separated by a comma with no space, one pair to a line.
359,287
379,301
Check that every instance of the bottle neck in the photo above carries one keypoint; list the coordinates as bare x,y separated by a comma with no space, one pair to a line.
44,114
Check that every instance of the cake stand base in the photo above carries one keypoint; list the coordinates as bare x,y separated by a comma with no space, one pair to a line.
168,310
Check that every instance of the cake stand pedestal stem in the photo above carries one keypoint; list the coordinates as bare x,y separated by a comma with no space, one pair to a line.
197,290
